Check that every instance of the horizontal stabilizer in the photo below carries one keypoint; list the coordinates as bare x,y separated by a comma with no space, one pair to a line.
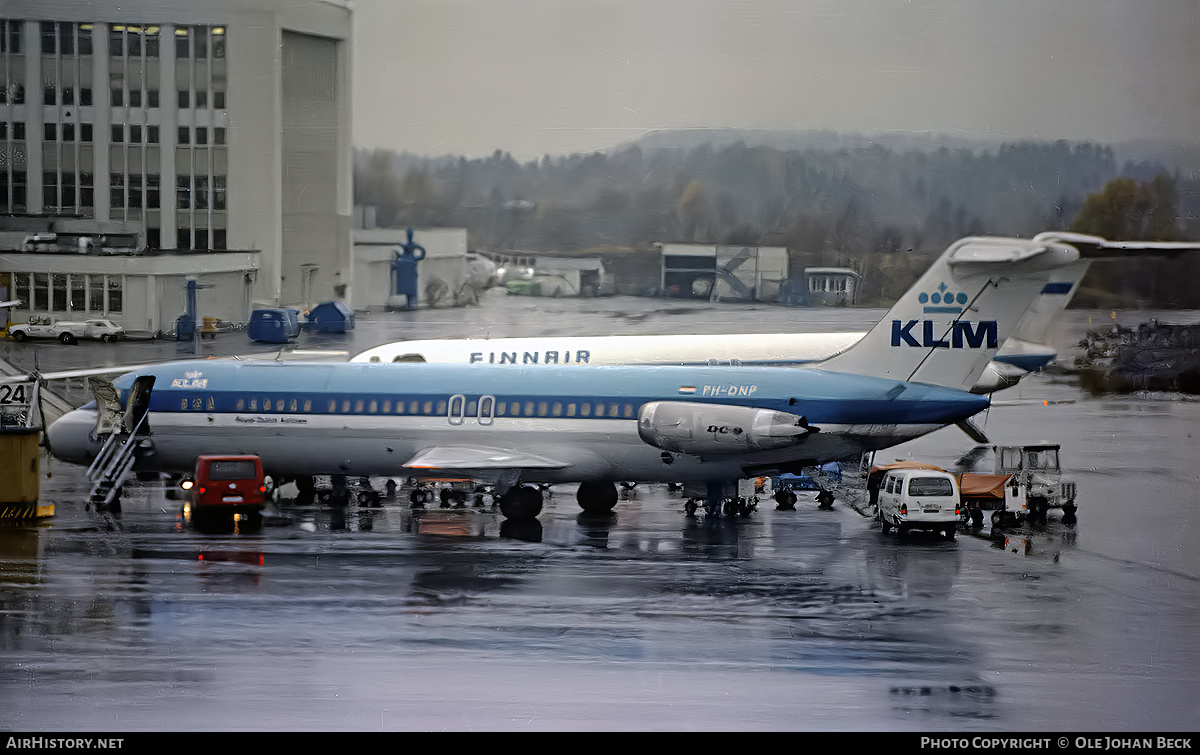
480,457
1094,247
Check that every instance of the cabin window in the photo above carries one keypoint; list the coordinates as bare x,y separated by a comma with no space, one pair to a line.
373,407
359,406
472,407
599,410
308,405
241,405
585,410
556,410
441,407
428,407
571,409
346,406
400,406
413,407
501,408
628,410
528,408
387,406
543,408
266,404
332,406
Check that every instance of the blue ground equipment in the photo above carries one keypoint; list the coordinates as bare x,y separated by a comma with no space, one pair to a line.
330,317
404,270
277,325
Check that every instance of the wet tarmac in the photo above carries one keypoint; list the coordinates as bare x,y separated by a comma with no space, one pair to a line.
382,618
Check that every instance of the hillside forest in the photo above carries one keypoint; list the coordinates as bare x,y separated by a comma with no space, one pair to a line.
882,208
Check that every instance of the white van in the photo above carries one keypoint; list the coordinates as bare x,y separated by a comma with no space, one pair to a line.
919,499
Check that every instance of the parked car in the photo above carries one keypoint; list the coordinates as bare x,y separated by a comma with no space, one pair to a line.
67,331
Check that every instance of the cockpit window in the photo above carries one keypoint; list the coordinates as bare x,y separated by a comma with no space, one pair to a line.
409,358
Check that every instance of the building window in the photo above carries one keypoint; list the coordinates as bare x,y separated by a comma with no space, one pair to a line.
152,134
10,36
85,96
78,293
95,293
201,135
185,135
218,135
218,192
58,292
85,132
118,132
183,193
219,100
116,186
152,98
218,236
50,95
116,292
18,131
50,131
184,98
84,33
201,99
49,36
152,191
181,43
135,133
68,132
200,194
68,96
135,98
41,292
117,94
135,190
116,43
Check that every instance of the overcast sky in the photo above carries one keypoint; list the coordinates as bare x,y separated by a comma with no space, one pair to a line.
560,76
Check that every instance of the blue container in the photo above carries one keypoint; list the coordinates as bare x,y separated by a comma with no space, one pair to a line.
273,325
330,317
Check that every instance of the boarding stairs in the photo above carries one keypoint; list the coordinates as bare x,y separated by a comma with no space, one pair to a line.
113,465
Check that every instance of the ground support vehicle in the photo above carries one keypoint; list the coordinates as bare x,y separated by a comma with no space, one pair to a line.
924,499
225,489
67,332
1031,479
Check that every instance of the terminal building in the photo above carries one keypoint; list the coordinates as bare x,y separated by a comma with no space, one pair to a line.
143,142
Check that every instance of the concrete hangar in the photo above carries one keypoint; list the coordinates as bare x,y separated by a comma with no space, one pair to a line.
143,142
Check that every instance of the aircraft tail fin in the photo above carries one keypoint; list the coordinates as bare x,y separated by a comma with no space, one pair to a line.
947,328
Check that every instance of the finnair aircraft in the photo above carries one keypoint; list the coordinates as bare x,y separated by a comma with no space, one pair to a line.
512,425
1023,352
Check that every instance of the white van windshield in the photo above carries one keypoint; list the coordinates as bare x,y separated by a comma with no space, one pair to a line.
930,486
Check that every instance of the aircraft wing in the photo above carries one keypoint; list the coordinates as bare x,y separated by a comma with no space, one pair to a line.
468,458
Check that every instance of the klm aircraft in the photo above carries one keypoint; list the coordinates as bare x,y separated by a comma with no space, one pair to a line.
1023,352
906,377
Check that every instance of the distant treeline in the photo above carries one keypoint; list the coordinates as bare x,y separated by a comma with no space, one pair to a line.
884,211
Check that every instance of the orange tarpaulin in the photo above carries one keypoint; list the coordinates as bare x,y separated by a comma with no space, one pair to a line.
974,485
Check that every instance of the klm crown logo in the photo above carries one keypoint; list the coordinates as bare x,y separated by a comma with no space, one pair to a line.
943,300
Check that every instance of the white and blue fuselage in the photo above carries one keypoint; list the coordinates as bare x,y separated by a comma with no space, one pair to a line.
568,424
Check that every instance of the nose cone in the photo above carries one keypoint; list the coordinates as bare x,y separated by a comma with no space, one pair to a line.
70,437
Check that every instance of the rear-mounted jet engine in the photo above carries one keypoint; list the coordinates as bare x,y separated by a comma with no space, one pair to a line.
695,428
